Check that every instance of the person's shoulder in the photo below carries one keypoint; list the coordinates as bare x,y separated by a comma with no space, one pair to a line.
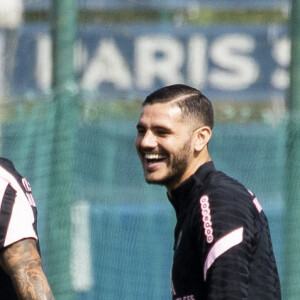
227,203
8,170
222,184
228,193
7,164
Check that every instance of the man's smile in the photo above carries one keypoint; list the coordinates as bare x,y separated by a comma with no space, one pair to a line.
152,159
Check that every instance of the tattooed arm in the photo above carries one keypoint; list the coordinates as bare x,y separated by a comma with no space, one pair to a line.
22,262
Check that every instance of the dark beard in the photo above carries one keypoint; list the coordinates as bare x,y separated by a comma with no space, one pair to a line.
179,166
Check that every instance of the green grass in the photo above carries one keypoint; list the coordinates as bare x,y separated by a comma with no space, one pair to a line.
183,16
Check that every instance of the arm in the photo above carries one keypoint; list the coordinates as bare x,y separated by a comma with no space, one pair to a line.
227,240
22,262
227,267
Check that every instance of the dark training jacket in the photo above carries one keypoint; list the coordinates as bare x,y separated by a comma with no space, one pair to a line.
222,248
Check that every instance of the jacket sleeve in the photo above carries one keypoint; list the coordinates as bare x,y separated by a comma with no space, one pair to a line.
226,239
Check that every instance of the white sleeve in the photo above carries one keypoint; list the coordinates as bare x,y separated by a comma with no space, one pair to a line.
21,222
17,215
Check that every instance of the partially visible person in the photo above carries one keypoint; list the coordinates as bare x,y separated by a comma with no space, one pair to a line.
222,247
21,271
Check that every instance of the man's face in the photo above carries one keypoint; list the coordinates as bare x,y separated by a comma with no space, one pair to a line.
164,144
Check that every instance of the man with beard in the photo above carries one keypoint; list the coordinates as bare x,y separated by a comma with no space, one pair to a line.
222,247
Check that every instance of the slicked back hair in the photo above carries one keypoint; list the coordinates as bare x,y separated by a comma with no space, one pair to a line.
192,102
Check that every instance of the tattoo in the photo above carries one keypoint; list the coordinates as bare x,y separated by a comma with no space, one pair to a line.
23,264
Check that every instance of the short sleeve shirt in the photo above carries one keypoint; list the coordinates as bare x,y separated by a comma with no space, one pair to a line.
18,216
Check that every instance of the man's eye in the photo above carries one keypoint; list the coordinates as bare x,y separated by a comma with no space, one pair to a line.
162,132
141,131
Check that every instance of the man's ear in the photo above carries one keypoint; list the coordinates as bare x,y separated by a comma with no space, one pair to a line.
203,135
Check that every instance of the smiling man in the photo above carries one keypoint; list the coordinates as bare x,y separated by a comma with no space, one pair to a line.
222,246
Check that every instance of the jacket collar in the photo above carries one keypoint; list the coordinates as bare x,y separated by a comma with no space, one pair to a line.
185,192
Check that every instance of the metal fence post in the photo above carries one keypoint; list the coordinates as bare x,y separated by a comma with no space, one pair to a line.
291,287
64,33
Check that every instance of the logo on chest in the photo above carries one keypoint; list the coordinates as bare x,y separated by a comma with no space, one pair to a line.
206,218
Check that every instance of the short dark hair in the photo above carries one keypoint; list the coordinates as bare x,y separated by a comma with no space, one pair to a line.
190,100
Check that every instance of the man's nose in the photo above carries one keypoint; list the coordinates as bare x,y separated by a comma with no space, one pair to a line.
149,140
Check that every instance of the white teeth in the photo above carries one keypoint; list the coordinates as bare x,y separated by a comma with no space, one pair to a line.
154,156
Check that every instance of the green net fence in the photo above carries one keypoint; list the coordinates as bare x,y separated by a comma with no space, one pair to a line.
104,233
114,237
